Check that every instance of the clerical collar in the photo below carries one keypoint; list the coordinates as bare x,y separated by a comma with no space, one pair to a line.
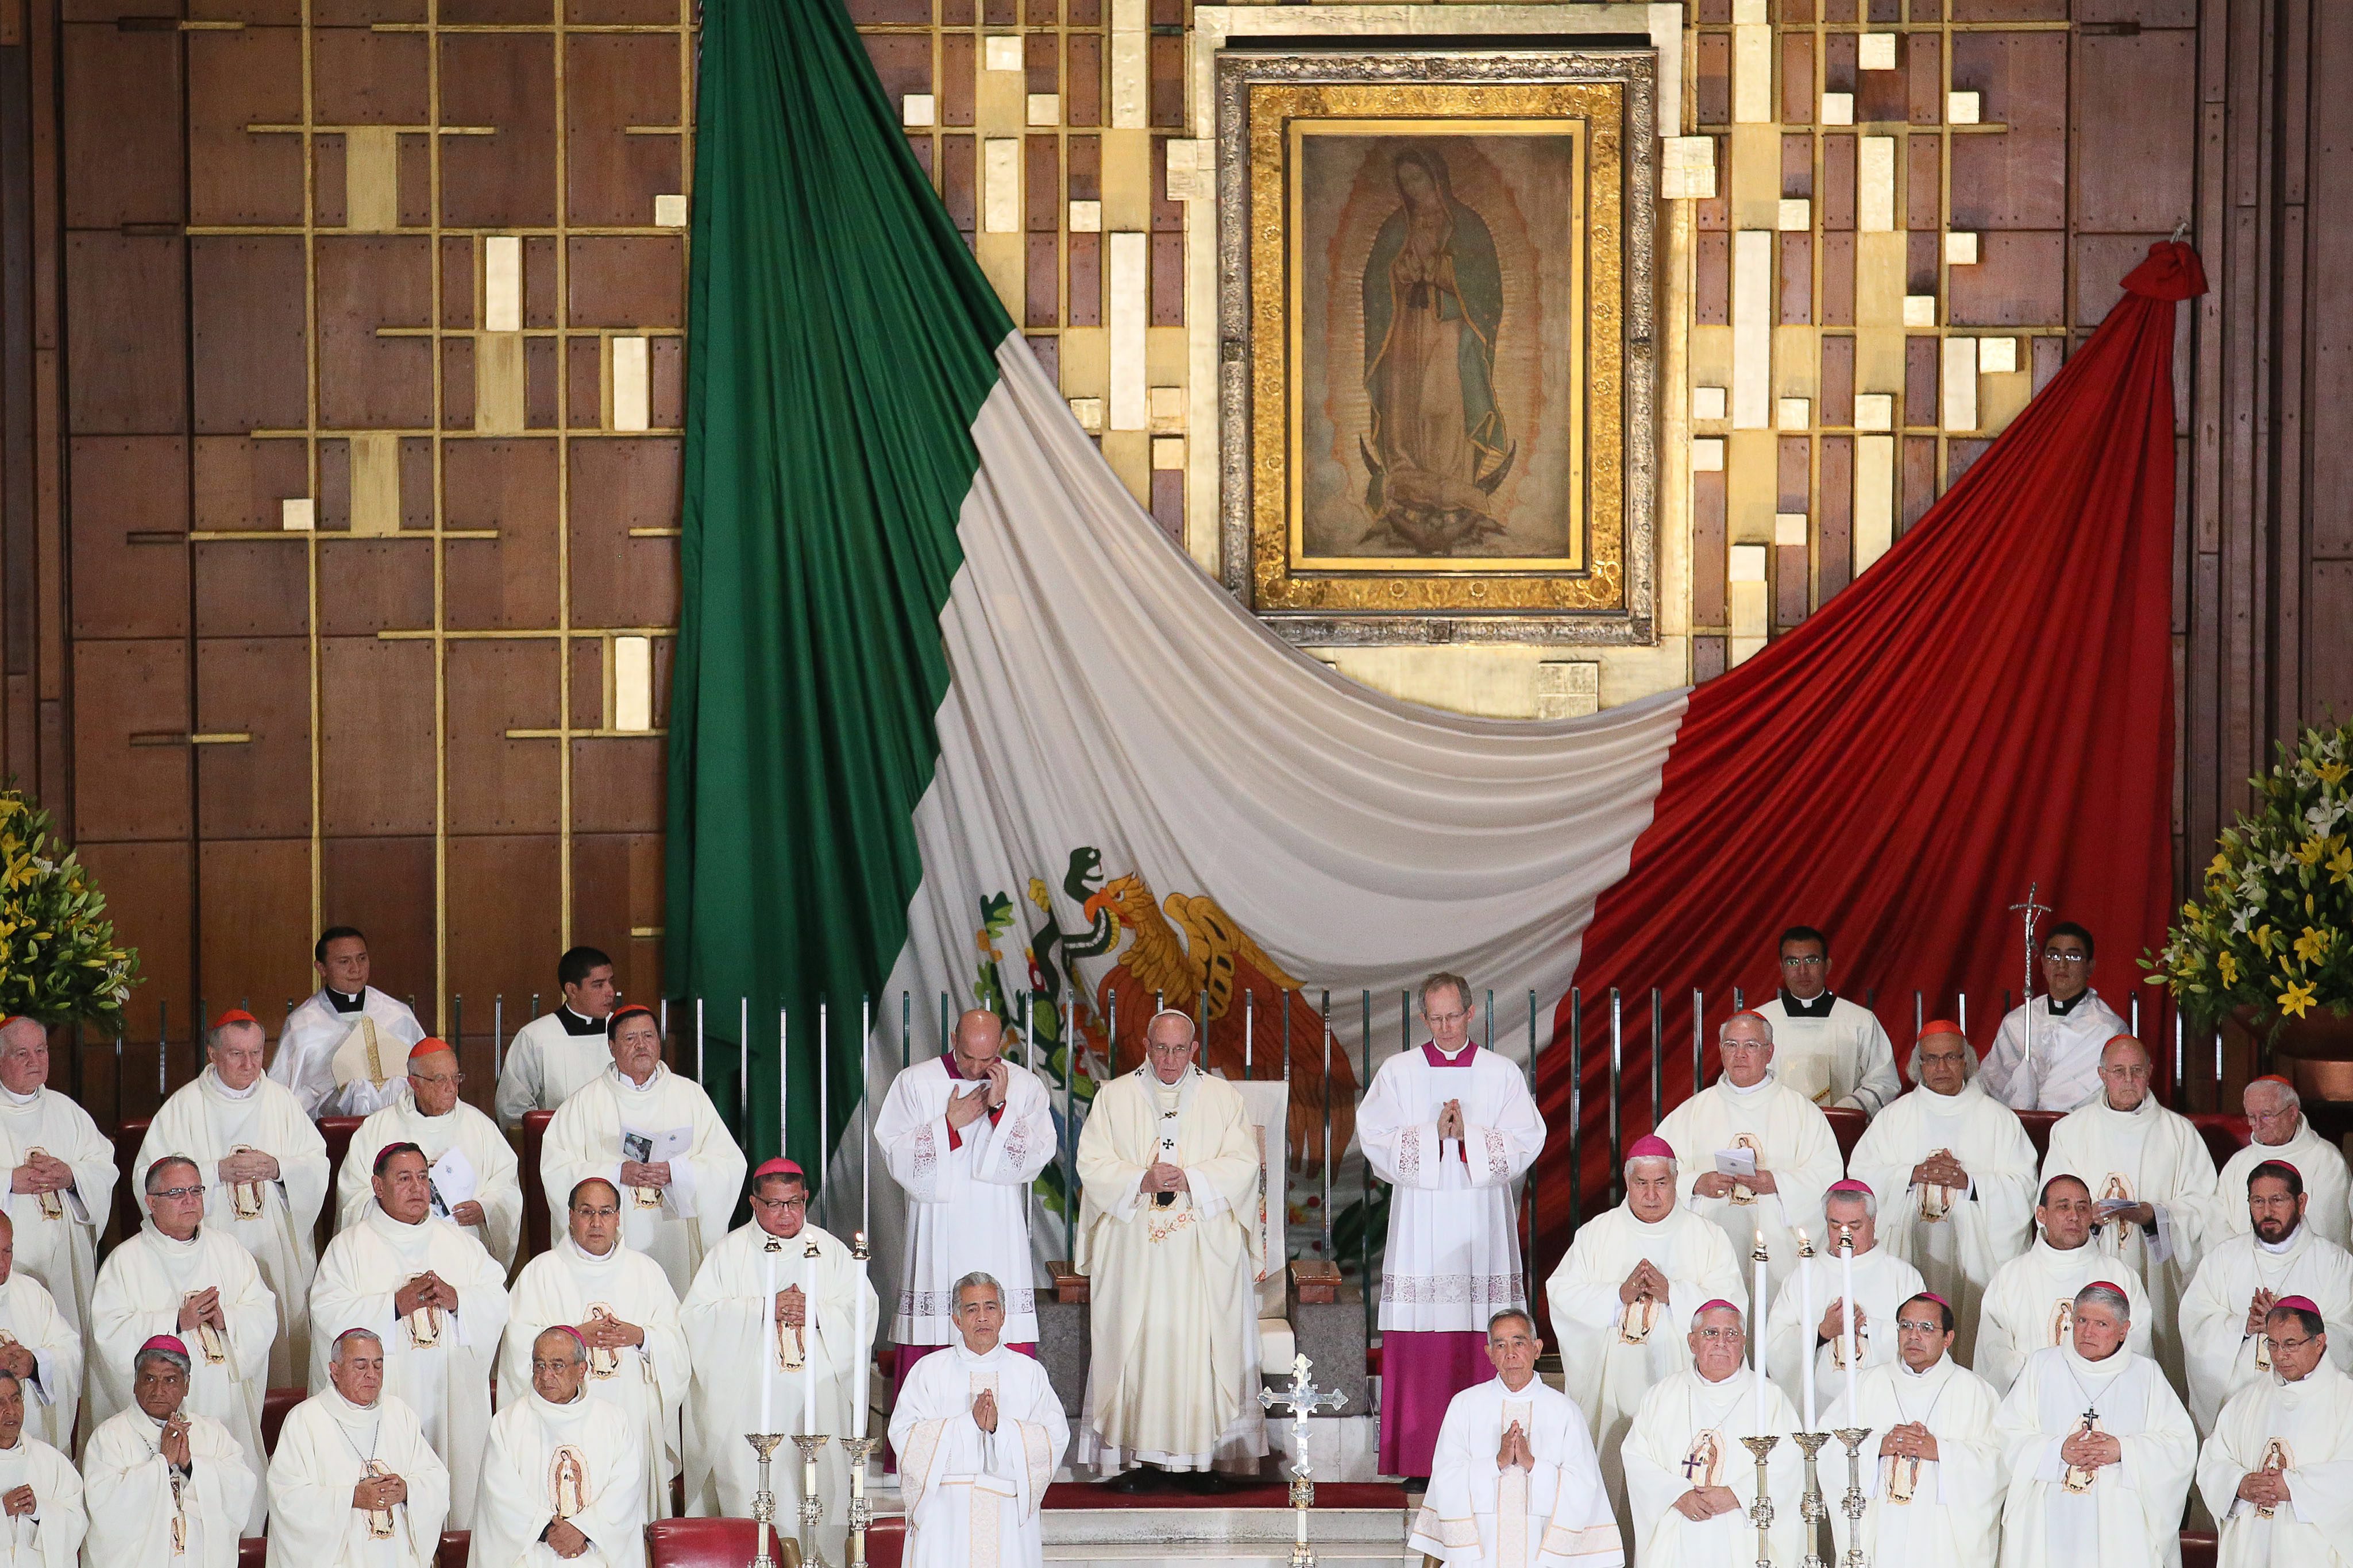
1819,1007
341,1003
2105,1104
1512,1392
2276,1247
1753,1088
1439,1058
1903,1368
247,1092
2060,1009
2042,1240
350,1403
13,1098
632,1085
574,1025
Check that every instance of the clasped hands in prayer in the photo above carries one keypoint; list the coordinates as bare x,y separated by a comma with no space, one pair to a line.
1911,1440
1940,1170
41,1172
248,1166
2090,1450
963,1109
1716,1184
634,1175
1707,1502
609,1333
2264,1488
427,1289
376,1493
201,1307
172,1442
1645,1280
984,1410
19,1502
563,1539
1163,1177
1449,1120
2259,1308
1832,1327
1515,1449
17,1362
792,1308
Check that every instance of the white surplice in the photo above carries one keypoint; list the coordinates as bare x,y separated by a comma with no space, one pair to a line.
1607,1362
51,1535
2220,1355
439,1366
29,1317
315,1031
1946,1513
2129,1515
534,1442
140,1291
1453,1253
207,1122
647,1381
478,1139
1883,1282
2065,1071
327,1448
1173,1375
1553,1513
1792,1141
547,1060
2030,1306
972,1496
133,1495
967,1195
1832,1051
2305,1428
56,1233
1955,1239
1687,1434
2321,1164
675,1225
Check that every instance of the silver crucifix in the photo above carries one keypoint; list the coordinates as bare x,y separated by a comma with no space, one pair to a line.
1304,1399
2032,912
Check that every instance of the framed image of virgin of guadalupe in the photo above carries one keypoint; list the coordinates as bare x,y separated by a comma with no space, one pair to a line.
1435,312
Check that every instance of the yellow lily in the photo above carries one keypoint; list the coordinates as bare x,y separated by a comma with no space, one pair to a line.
2296,1000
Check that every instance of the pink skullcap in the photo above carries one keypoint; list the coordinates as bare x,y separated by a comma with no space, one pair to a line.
2283,1164
235,1015
2297,1304
172,1342
776,1168
1932,1296
1650,1146
1707,1307
1942,1027
572,1333
428,1046
1861,1189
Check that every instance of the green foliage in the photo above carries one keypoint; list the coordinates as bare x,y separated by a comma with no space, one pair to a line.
58,961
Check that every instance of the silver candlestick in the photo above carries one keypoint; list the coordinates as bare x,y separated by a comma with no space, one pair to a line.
1851,1506
861,1507
763,1500
812,1505
1760,1512
1820,1547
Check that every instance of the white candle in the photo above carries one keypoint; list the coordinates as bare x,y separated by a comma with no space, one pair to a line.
809,1365
1806,1316
1757,1340
768,1356
1846,1327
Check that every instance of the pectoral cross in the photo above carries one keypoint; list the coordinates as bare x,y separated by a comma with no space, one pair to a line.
1691,1467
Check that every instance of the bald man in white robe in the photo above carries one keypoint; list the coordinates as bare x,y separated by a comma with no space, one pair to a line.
2278,1471
2279,1130
1689,1479
2223,1313
61,1172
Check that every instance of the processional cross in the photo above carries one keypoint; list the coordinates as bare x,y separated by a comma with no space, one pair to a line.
2032,912
1304,1399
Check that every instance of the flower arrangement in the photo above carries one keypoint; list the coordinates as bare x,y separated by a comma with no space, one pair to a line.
59,960
2273,933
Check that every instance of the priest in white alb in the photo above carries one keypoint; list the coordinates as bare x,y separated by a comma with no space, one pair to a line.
2223,1312
1957,1175
1689,1479
1621,1298
164,1486
1515,1483
61,1172
557,1052
340,1052
2070,1024
2030,1303
352,1482
2278,1471
2097,1449
2279,1130
1933,1499
435,1301
188,1280
1809,1316
1829,1049
627,1314
963,1134
979,1431
563,1475
656,1136
1451,1128
778,1324
39,1348
264,1170
475,1185
1168,1235
1756,1155
40,1492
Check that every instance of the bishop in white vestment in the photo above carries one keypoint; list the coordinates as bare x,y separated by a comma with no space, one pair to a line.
656,1136
1829,1049
61,1172
1451,1128
557,1052
435,1301
345,1011
40,1350
352,1482
2223,1314
2031,1304
1957,1173
564,1474
2278,1471
1748,1115
2070,1026
265,1172
164,1487
2281,1132
432,1117
1809,1316
1688,1476
979,1431
1515,1483
40,1493
1168,1232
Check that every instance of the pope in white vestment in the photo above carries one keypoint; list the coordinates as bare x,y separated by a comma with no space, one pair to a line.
164,1488
40,1493
2281,1132
1621,1298
2223,1334
1809,1316
563,1473
435,1301
2278,1471
60,1172
978,1430
1168,1232
1515,1483
432,1117
622,1304
1829,1049
657,1137
558,1052
1956,1173
1690,1479
2071,1027
352,1482
40,1350
2030,1305
315,1034
265,1172
1749,1113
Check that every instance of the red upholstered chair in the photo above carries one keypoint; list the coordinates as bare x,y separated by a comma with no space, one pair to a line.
454,1549
2197,1549
337,1131
728,1543
253,1551
128,1211
2038,1130
536,1237
2224,1135
276,1405
1846,1125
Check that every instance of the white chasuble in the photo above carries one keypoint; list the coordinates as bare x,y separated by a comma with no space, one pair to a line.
734,1342
2030,1306
1686,1435
967,1195
326,1448
2064,1073
972,1496
2305,1429
647,1381
547,1061
139,1295
1173,1375
145,1512
1955,1239
1789,1137
2126,1515
28,1317
207,1122
486,1161
580,1462
315,1031
1883,1282
1944,1512
56,1233
51,1535
2223,1357
2320,1162
1453,1255
1551,1514
436,1363
1611,1353
1832,1051
675,1225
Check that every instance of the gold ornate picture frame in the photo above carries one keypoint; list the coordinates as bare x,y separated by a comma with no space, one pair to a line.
1437,389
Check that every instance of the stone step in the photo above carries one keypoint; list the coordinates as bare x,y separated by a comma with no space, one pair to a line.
1222,1533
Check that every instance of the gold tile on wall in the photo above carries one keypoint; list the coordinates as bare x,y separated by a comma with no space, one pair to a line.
498,383
375,482
372,179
